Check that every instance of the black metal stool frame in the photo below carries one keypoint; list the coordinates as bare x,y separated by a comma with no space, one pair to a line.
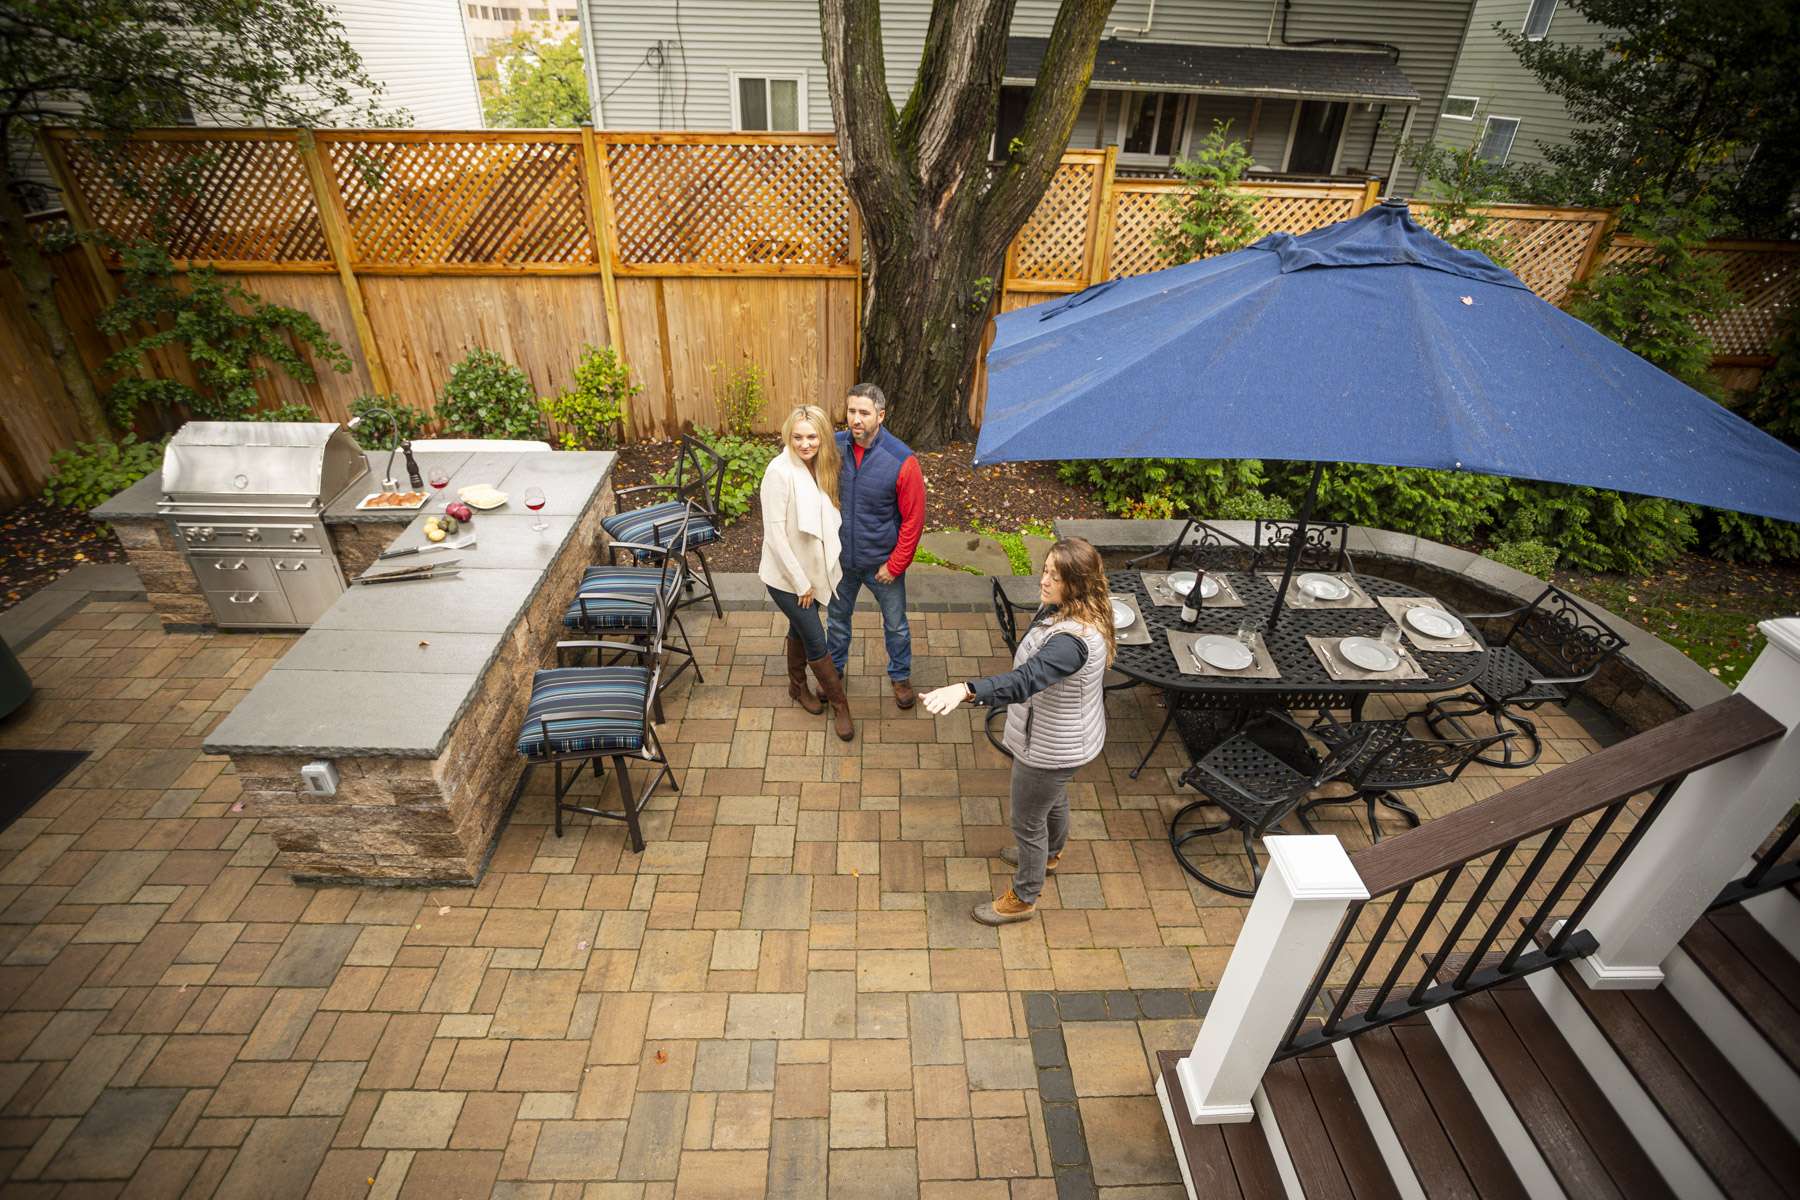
702,493
663,609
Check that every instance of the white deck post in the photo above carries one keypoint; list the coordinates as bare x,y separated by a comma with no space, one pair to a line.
1710,827
1308,886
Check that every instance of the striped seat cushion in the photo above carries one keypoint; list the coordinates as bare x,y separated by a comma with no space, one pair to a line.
658,524
598,710
639,612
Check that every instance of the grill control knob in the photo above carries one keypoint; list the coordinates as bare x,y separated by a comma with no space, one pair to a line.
299,535
253,535
204,534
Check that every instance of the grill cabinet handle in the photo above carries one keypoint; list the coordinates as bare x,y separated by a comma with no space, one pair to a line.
252,598
293,566
220,566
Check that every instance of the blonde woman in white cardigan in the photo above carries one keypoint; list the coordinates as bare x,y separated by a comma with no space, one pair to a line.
800,554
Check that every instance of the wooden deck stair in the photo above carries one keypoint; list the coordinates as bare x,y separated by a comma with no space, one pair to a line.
1754,971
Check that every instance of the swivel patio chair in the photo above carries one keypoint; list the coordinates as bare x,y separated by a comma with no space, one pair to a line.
1322,549
585,714
1209,548
1255,790
1391,759
631,601
1006,617
1552,646
648,532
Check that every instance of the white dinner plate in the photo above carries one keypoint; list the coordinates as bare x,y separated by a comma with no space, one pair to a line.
1121,613
1182,582
1225,653
1322,587
1434,622
482,496
1369,654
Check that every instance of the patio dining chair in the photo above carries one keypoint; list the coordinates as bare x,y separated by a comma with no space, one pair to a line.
585,714
1551,646
1006,617
1322,548
648,532
640,604
1255,790
1391,759
1200,546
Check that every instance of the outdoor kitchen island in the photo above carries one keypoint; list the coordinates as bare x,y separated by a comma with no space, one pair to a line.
414,691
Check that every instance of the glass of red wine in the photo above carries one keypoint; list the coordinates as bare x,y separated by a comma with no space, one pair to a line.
534,500
438,478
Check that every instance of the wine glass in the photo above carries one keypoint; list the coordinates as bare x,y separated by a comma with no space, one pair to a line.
1390,637
438,478
534,500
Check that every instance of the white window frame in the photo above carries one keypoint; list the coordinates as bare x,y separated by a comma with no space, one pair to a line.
1510,143
1474,107
1525,26
1183,100
799,78
1337,151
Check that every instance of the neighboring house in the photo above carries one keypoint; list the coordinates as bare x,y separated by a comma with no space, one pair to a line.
419,52
491,24
1316,87
1493,102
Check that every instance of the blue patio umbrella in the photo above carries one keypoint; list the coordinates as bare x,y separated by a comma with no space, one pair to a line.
1367,341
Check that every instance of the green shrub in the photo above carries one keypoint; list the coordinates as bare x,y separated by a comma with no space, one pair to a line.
1164,487
741,397
94,472
488,397
413,423
1533,558
1739,537
1253,506
1209,215
745,460
592,412
1445,506
286,412
1598,530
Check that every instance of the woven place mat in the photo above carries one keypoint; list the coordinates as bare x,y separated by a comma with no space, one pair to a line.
1326,648
1164,596
1299,599
1181,645
1397,607
1137,633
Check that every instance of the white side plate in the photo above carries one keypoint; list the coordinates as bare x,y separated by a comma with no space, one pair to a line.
1182,582
1369,654
1121,613
1323,587
1227,654
1434,622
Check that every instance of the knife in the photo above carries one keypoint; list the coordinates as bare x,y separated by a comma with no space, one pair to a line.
423,571
459,544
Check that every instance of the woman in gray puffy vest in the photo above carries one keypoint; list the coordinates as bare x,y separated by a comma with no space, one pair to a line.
1055,716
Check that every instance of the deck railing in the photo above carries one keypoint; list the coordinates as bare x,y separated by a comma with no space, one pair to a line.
1771,867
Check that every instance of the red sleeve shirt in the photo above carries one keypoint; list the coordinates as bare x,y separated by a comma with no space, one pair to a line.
909,494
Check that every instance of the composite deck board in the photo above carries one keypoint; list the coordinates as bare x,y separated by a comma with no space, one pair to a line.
1303,1132
1755,972
1357,1152
1730,1131
1228,1162
1446,1140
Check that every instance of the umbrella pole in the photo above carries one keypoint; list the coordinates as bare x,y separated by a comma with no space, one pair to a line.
1296,542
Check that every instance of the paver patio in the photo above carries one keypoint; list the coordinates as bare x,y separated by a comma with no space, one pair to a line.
783,993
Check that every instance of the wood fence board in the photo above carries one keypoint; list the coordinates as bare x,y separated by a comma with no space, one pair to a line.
320,297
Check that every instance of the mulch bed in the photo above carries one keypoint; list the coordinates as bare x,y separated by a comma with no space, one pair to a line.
40,542
957,496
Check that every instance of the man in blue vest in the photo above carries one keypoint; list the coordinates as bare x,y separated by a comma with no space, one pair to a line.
881,493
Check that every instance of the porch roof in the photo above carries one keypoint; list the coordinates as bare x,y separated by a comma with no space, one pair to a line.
1229,70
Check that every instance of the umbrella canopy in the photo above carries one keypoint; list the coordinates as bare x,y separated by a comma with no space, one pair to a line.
1368,341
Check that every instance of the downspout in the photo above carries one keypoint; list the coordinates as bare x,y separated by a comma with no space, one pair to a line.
1149,20
1287,7
591,63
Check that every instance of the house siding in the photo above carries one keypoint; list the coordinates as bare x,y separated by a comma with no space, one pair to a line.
417,51
1489,71
783,37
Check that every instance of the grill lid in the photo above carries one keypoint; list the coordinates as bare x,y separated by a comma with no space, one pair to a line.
300,462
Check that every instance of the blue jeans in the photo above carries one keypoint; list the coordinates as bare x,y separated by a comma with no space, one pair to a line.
803,623
895,631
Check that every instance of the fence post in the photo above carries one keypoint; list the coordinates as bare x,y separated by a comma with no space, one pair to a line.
336,224
1371,196
1710,827
1305,892
1590,257
1103,219
598,182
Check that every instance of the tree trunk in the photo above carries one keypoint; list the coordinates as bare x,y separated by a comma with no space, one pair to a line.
38,281
937,214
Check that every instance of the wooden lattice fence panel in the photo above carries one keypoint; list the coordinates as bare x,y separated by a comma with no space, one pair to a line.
1763,276
1054,244
731,204
1545,248
462,199
1137,214
1304,210
227,199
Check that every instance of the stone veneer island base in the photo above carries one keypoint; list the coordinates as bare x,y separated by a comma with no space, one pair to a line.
415,692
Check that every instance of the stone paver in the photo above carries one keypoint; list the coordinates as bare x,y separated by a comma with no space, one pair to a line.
783,995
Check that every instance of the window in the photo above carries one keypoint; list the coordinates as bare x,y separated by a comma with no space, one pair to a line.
1537,21
474,10
1009,120
539,14
1461,108
1152,124
506,14
776,103
1497,139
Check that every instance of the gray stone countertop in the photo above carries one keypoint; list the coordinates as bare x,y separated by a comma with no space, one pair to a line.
390,668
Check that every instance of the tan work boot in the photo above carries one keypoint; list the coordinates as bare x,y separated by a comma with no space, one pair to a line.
904,695
1004,910
798,692
1010,856
831,686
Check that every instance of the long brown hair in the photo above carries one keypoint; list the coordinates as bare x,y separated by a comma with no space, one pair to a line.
1086,597
825,464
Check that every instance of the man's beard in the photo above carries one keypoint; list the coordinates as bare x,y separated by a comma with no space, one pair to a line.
864,439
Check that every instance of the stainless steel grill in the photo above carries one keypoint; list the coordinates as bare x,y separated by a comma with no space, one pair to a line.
245,500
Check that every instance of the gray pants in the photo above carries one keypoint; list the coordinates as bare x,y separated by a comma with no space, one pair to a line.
1040,822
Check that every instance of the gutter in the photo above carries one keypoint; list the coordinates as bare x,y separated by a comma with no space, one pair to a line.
590,63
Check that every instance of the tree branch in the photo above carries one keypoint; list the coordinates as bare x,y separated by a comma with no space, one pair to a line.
954,96
856,72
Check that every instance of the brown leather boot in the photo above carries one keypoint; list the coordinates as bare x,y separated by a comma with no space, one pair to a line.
831,686
798,692
904,695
